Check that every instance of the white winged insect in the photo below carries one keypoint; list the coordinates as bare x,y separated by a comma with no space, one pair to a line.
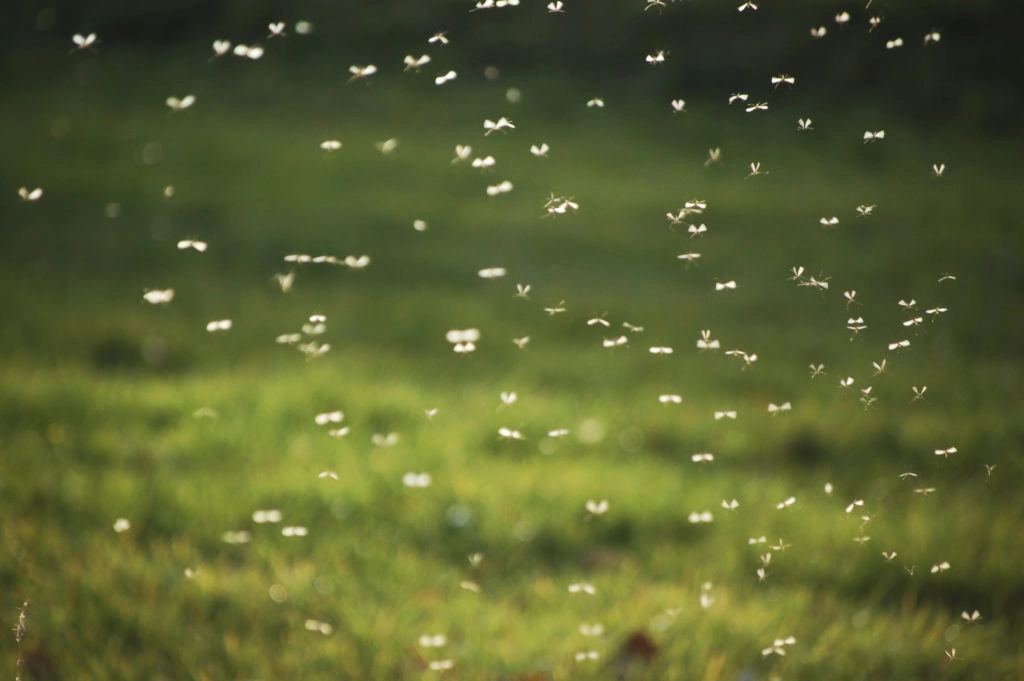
491,273
660,350
540,150
656,58
556,6
747,5
614,342
899,345
699,517
778,646
445,77
940,567
804,124
194,244
158,296
670,399
873,136
828,221
945,452
582,588
678,106
521,342
774,409
276,29
560,307
728,414
932,37
330,145
758,106
502,123
359,71
253,52
83,41
697,230
463,340
738,96
706,342
842,18
938,169
688,257
414,63
441,37
180,104
918,392
727,285
864,209
714,156
328,417
783,79
503,187
27,194
417,480
703,457
819,32
730,504
462,152
755,169
510,434
220,48
597,507
595,102
892,44
218,325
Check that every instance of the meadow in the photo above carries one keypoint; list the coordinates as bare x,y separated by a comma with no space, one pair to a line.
113,408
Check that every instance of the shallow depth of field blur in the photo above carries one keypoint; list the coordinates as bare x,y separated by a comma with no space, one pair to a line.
876,528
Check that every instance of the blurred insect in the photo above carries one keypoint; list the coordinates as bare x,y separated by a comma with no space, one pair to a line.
598,321
660,350
697,517
889,556
678,106
463,340
829,222
913,321
748,358
327,474
817,370
508,398
907,474
714,155
384,440
361,71
730,505
295,531
873,136
704,457
177,104
722,286
541,150
591,630
856,324
774,409
272,515
874,22
521,342
218,325
387,146
654,3
936,311
785,503
899,345
747,5
276,29
446,77
597,507
947,277
559,432
988,469
158,296
510,434
705,342
688,257
864,210
862,540
938,169
249,51
879,367
932,37
330,145
419,225
846,382
329,417
907,304
918,393
523,291
415,63
719,415
220,48
432,641
738,96
560,307
462,152
819,32
940,567
755,169
778,646
850,298
924,491
491,273
501,124
356,262
440,37
614,342
656,58
83,41
595,102
759,106
670,399
804,124
582,587
285,281
945,452
556,6
561,205
585,655
503,187
697,230
417,480
842,18
892,44
782,79
30,195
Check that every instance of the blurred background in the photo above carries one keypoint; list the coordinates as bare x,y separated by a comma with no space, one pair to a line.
112,408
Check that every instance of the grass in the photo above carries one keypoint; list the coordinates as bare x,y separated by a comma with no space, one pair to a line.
98,391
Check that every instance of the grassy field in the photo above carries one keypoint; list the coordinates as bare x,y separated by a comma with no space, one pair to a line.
113,408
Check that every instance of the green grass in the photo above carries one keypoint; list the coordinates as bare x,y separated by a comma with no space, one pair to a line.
98,390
